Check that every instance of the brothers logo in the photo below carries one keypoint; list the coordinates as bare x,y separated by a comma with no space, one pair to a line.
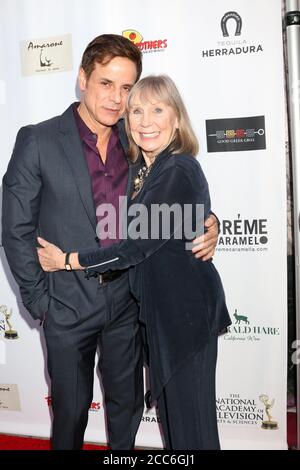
240,234
236,134
46,55
157,45
95,406
231,25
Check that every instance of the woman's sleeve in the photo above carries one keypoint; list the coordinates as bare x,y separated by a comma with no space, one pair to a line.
173,190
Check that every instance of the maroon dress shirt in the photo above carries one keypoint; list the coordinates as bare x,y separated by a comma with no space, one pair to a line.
109,179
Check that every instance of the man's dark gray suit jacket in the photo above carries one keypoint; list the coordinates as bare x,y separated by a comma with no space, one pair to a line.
47,192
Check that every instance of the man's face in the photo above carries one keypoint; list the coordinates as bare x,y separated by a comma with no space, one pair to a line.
105,92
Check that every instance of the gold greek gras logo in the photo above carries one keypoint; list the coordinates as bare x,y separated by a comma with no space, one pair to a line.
10,333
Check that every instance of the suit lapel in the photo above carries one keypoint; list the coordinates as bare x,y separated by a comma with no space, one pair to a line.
72,146
74,154
133,166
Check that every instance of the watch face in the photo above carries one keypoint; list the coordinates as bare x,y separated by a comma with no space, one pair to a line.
68,267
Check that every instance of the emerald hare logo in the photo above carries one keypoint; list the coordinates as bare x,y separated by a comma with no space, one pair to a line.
244,329
240,318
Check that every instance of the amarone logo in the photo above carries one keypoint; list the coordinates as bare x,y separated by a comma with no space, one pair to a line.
46,55
242,329
153,45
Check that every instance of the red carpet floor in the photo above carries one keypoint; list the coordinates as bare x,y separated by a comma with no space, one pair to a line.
8,442
292,430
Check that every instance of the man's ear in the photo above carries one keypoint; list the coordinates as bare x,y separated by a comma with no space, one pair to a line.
82,79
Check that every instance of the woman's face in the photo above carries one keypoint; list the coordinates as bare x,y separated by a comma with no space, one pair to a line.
152,124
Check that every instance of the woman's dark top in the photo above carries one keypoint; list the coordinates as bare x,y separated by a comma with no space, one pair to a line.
181,298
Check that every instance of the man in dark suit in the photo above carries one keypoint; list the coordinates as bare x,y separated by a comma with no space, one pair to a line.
61,170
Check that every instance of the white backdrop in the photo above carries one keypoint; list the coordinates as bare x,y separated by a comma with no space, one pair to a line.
221,78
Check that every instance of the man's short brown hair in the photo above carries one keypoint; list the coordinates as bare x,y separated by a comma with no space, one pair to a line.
105,47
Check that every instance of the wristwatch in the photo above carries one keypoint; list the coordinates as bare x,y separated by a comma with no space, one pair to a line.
68,266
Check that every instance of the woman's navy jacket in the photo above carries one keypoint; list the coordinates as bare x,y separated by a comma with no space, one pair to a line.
181,298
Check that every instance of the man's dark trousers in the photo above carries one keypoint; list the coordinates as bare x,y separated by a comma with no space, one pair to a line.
113,326
47,192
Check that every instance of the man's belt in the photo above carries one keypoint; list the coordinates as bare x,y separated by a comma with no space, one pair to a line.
109,277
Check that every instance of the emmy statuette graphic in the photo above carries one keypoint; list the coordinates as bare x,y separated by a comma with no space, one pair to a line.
10,333
270,423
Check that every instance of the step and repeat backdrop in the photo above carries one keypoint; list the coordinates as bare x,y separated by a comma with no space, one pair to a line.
226,57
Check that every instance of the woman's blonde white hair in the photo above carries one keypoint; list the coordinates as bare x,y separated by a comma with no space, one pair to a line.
162,88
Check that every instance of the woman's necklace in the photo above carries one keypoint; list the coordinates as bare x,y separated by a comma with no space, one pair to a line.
142,175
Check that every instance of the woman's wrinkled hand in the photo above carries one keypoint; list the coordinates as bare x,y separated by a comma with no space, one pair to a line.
50,256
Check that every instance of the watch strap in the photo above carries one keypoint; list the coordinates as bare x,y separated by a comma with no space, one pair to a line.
68,266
